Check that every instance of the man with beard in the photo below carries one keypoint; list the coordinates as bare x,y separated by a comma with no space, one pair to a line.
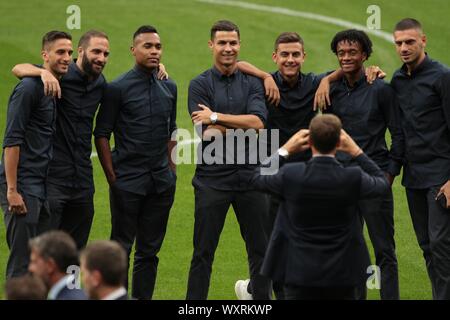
52,255
141,112
27,150
423,90
70,183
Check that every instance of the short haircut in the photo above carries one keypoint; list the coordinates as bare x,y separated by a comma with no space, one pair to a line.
288,37
52,36
224,25
87,36
26,287
144,29
353,36
408,23
325,132
56,245
109,259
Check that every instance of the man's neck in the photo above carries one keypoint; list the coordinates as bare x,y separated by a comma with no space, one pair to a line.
55,278
291,81
47,67
104,291
317,153
147,71
226,70
412,66
353,77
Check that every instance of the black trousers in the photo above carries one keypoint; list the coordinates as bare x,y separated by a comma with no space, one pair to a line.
20,229
432,226
319,293
71,210
278,288
211,207
378,215
144,219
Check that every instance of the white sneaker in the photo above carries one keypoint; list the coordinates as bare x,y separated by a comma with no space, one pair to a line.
241,290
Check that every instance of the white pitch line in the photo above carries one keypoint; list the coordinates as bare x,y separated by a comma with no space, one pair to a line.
293,13
306,15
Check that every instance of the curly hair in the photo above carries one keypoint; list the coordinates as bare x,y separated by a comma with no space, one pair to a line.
352,36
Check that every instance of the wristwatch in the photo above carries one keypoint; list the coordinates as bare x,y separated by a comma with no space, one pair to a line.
283,152
213,117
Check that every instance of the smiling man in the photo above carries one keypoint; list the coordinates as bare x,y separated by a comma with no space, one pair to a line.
423,90
366,112
141,111
27,150
224,98
70,183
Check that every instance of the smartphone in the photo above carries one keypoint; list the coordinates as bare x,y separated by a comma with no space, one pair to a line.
442,200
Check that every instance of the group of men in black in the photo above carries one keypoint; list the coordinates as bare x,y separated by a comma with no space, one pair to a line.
302,225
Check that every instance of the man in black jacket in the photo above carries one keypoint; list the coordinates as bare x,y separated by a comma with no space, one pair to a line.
27,151
317,249
422,86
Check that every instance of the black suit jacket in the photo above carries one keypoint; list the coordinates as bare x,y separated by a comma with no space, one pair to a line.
317,239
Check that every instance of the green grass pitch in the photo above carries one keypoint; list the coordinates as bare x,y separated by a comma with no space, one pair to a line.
184,28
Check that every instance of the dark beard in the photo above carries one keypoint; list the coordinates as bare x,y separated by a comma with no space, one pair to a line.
87,68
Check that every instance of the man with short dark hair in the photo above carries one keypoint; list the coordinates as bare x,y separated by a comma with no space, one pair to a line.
220,99
54,258
141,112
104,270
422,86
70,182
366,112
317,249
294,110
26,287
27,150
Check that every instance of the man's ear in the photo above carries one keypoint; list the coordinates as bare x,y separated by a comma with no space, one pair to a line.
424,40
44,55
52,266
364,56
96,278
132,51
274,56
80,52
210,44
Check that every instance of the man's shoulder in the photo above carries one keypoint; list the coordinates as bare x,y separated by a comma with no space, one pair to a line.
30,83
30,86
251,79
130,74
380,86
438,66
202,77
169,83
71,294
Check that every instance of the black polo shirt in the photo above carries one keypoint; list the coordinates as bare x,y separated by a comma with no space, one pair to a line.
141,112
71,164
295,110
237,94
30,124
424,98
366,111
